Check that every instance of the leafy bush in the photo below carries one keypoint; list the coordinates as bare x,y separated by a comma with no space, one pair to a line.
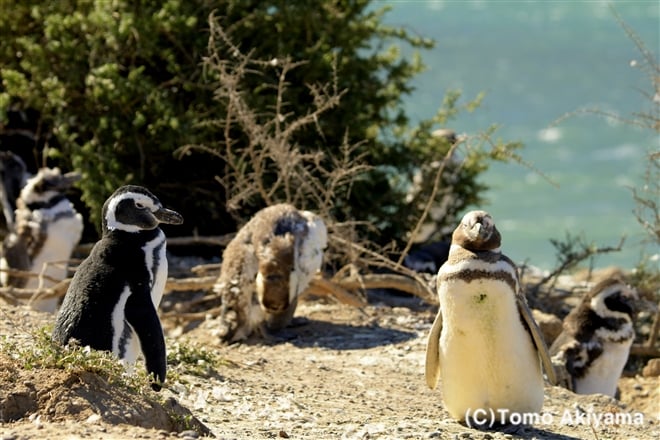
121,86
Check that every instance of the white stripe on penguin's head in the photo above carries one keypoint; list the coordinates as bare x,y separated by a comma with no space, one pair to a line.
142,201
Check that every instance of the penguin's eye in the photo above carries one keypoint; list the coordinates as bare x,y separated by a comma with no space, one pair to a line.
139,205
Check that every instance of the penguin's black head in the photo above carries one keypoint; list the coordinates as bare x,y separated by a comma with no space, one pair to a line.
477,232
133,208
613,298
47,186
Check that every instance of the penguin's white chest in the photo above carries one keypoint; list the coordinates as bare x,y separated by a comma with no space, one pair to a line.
62,236
604,372
487,358
156,262
126,343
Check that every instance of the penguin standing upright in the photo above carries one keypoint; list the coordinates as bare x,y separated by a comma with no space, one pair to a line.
112,301
595,343
484,342
46,229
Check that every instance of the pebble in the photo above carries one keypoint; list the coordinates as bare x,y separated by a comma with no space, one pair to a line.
652,368
189,434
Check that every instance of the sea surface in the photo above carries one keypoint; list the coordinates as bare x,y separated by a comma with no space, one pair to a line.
544,65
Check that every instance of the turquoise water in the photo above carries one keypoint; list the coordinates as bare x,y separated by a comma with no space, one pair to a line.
537,61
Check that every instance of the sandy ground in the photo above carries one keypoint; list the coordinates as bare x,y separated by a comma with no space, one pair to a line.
338,373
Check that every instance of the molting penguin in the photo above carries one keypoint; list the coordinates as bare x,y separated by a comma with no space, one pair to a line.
46,230
484,342
595,343
114,295
266,267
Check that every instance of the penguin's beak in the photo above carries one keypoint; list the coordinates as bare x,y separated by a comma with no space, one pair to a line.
631,297
478,232
63,182
168,216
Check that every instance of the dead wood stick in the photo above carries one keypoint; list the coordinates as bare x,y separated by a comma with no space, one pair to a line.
389,281
183,284
655,328
643,350
322,287
204,268
17,293
209,240
193,316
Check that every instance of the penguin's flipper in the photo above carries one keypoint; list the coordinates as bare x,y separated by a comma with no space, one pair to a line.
142,316
432,372
537,338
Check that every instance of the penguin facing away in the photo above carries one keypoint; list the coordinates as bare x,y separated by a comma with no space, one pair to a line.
484,342
112,301
594,345
46,230
265,268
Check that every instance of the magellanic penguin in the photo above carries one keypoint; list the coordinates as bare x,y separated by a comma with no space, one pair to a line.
484,342
595,342
265,267
112,301
13,177
47,228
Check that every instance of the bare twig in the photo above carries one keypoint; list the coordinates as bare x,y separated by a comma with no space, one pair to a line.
430,202
569,257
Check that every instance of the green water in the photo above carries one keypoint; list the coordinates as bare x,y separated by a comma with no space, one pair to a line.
537,61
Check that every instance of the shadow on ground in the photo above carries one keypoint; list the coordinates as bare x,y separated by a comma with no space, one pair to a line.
305,332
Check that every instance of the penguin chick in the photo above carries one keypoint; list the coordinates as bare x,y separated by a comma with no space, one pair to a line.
484,342
112,301
267,265
46,230
595,341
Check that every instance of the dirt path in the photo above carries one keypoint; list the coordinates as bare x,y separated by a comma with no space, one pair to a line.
339,373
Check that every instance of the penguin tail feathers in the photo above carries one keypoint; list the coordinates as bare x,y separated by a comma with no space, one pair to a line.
432,372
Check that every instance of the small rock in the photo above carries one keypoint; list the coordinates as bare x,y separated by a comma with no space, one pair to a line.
282,434
189,434
652,368
549,325
93,419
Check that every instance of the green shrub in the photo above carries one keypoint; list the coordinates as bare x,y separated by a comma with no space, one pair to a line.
122,85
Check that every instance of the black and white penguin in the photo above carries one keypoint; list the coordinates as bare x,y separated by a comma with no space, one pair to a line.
428,257
484,342
13,177
596,338
265,268
46,229
112,301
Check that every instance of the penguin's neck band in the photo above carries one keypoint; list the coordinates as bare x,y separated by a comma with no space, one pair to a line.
53,201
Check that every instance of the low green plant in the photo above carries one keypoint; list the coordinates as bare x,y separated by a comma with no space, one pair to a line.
185,358
44,353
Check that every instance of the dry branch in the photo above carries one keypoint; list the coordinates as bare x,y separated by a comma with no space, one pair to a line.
190,284
322,287
644,350
389,281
